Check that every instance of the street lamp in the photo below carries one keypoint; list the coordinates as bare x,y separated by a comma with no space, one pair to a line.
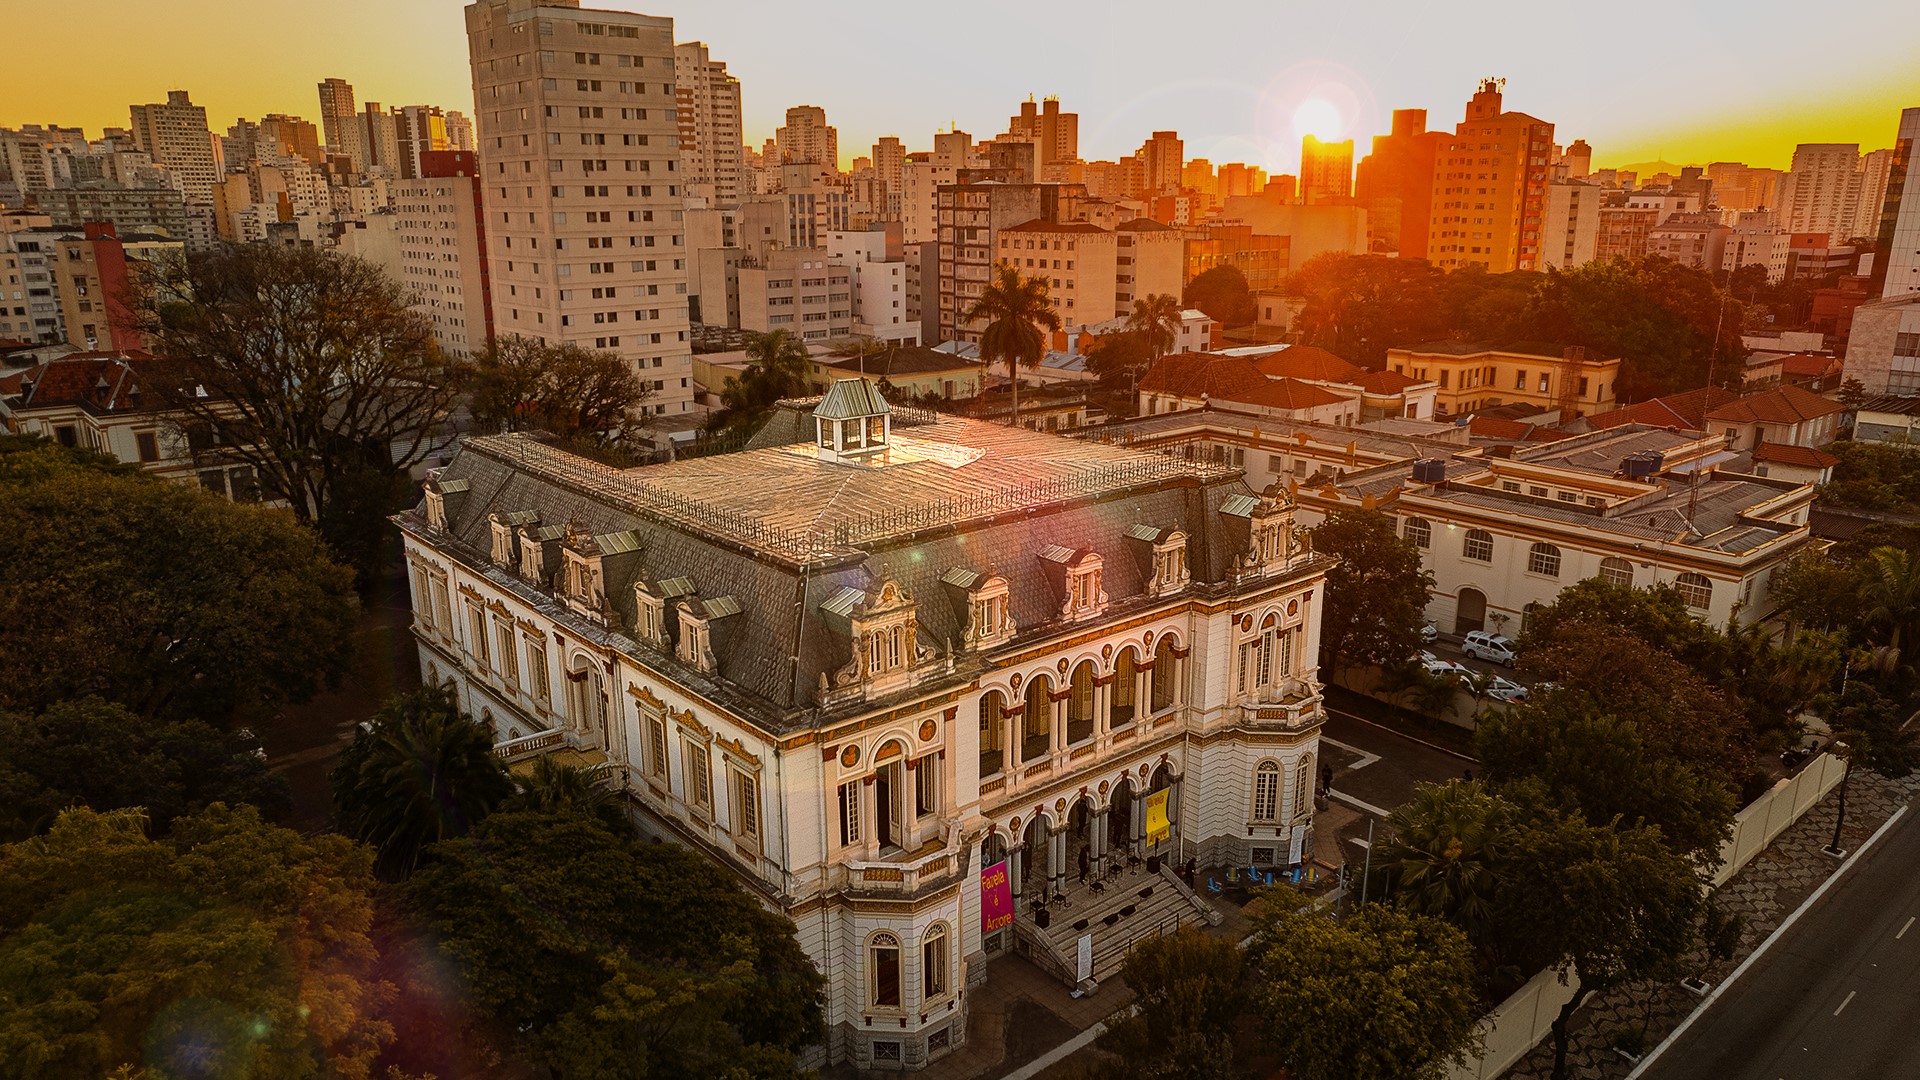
1846,770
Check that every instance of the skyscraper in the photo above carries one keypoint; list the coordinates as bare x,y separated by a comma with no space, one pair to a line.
1395,184
1326,170
889,159
418,129
1833,189
1055,135
1488,203
340,124
712,153
1899,232
176,136
1161,158
380,131
807,138
459,131
582,185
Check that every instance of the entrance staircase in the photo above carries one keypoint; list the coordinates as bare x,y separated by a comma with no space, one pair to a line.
1132,906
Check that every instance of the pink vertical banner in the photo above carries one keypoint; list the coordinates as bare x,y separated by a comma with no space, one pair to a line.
996,898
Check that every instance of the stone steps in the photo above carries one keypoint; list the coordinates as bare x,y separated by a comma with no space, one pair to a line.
1164,910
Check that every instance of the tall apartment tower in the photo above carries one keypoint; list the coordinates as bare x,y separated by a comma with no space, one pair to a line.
1394,184
442,235
1898,250
459,131
176,136
582,182
1326,170
1488,204
418,129
712,152
807,138
1055,135
1831,189
339,122
381,131
889,163
1162,158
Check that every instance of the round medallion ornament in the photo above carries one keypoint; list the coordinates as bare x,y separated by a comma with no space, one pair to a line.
1246,622
1293,608
1059,806
1017,679
850,757
1106,651
1062,665
927,730
1103,787
1013,827
1148,639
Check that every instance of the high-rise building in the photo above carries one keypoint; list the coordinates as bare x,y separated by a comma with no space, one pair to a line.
459,131
340,123
1487,202
807,138
712,153
1570,224
1326,170
176,136
1739,186
291,136
1578,160
1897,252
1055,135
382,139
1239,178
889,165
1832,189
1394,184
582,183
418,129
1161,158
442,245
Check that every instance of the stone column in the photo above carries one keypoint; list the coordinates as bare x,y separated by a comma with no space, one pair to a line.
1175,817
1098,836
1057,858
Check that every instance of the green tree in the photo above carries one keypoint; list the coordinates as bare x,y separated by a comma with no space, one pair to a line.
311,367
1818,591
1892,596
1222,293
1376,593
1603,906
1874,726
169,600
231,948
418,772
1872,476
97,754
580,394
553,788
1018,313
1442,854
1119,360
1657,616
1156,318
1359,306
612,959
1667,322
778,366
1189,991
1598,764
1386,995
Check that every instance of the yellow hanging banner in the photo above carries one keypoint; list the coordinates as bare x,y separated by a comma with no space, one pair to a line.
1158,827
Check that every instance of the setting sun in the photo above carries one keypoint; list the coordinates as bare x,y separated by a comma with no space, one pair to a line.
1318,117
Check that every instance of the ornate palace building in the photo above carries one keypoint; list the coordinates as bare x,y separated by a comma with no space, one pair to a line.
879,664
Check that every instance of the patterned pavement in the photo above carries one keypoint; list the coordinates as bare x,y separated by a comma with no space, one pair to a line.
1765,892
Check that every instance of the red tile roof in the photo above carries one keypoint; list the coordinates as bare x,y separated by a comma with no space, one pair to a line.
1289,394
1233,379
1788,454
1042,225
1809,365
95,382
1783,405
1306,362
1384,382
1686,410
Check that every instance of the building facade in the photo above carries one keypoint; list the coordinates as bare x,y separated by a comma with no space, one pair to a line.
1490,188
442,248
712,148
176,136
582,185
949,664
1473,376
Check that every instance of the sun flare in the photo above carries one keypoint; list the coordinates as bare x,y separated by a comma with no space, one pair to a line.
1318,117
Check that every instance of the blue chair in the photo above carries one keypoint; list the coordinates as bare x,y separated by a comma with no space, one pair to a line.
1213,887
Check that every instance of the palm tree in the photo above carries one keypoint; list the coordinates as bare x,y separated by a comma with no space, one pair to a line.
779,366
1018,310
1156,318
554,788
1444,847
1892,594
419,772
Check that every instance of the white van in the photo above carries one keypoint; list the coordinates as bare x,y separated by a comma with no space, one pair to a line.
1484,646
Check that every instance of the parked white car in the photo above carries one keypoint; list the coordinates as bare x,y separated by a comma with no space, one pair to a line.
1434,665
1428,633
1491,647
1502,689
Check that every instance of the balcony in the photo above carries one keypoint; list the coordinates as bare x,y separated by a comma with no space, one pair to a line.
562,745
1293,706
902,874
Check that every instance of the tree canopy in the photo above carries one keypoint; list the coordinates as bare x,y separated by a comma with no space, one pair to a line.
97,754
230,948
1384,995
1019,314
418,772
307,365
583,395
1190,990
1222,293
1376,593
162,597
778,366
613,959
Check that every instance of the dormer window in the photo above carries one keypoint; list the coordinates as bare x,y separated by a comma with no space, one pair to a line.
582,581
436,509
649,615
505,532
1083,591
695,650
1081,580
1170,571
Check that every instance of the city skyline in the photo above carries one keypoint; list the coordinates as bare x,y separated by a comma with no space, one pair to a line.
1697,105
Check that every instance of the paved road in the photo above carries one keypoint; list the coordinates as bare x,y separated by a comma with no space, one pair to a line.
1375,770
1838,995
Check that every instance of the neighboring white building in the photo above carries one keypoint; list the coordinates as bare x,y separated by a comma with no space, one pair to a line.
881,661
176,136
1883,349
442,250
712,153
1571,224
581,183
877,262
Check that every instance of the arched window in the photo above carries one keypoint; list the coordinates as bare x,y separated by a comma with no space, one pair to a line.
1696,590
933,964
1478,545
1420,531
1036,725
1080,703
883,970
1544,559
1266,792
1165,664
1126,679
993,733
1302,785
1616,571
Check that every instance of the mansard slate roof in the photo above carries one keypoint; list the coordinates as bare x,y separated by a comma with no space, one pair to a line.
783,533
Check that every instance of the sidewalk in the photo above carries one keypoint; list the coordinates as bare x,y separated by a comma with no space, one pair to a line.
1763,894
